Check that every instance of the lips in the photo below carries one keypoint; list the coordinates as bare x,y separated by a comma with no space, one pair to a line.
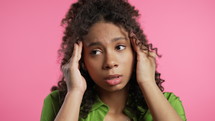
113,79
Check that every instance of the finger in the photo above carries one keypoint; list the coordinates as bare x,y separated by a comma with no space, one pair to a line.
67,65
136,44
133,43
65,70
152,57
80,48
153,61
152,54
73,59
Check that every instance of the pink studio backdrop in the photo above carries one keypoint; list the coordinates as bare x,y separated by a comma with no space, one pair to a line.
30,35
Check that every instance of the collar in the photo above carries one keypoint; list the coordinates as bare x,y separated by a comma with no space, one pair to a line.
127,110
98,104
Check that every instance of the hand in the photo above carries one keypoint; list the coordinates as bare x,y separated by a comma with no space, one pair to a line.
145,70
72,75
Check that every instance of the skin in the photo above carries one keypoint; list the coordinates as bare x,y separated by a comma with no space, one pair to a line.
110,55
107,49
159,106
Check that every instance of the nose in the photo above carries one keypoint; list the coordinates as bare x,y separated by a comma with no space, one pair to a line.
110,61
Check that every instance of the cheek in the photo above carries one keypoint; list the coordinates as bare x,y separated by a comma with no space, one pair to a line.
93,68
92,64
88,62
128,58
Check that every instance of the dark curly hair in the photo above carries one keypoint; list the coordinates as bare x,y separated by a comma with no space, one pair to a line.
80,17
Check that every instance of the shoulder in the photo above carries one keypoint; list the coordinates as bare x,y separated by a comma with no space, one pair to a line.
53,96
51,106
176,103
53,99
174,100
170,96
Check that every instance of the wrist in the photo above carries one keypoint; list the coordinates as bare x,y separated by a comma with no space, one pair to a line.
75,91
147,84
149,81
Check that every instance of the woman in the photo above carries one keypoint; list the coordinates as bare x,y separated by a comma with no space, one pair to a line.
109,69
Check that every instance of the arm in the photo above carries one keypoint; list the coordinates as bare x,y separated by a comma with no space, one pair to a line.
159,106
76,86
71,107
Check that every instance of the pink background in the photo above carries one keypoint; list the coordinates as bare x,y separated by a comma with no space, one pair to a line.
30,34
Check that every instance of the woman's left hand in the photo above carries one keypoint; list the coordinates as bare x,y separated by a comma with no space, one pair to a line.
145,70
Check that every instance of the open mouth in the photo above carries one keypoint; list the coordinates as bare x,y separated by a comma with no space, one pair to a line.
113,79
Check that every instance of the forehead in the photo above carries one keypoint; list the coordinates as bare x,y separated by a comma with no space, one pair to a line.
104,31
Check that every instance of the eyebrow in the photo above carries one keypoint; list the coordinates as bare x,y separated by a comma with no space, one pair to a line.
113,40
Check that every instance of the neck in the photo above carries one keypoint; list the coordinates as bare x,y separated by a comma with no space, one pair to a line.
115,100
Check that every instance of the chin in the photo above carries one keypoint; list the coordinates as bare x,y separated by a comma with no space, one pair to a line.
115,88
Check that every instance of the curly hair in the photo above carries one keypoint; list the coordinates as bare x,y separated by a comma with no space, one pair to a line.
79,18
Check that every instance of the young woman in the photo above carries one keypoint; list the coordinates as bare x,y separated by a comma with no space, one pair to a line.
109,69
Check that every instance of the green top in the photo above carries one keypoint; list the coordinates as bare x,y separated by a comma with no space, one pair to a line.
99,109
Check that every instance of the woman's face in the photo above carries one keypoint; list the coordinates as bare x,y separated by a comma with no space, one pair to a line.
108,56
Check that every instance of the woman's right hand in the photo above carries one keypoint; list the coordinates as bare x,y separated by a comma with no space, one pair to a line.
74,79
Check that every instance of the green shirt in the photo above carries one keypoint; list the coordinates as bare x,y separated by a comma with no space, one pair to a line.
52,105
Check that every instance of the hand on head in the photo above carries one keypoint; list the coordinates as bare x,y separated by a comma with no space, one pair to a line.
72,75
145,70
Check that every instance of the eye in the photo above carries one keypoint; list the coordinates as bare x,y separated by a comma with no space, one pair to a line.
96,52
120,47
